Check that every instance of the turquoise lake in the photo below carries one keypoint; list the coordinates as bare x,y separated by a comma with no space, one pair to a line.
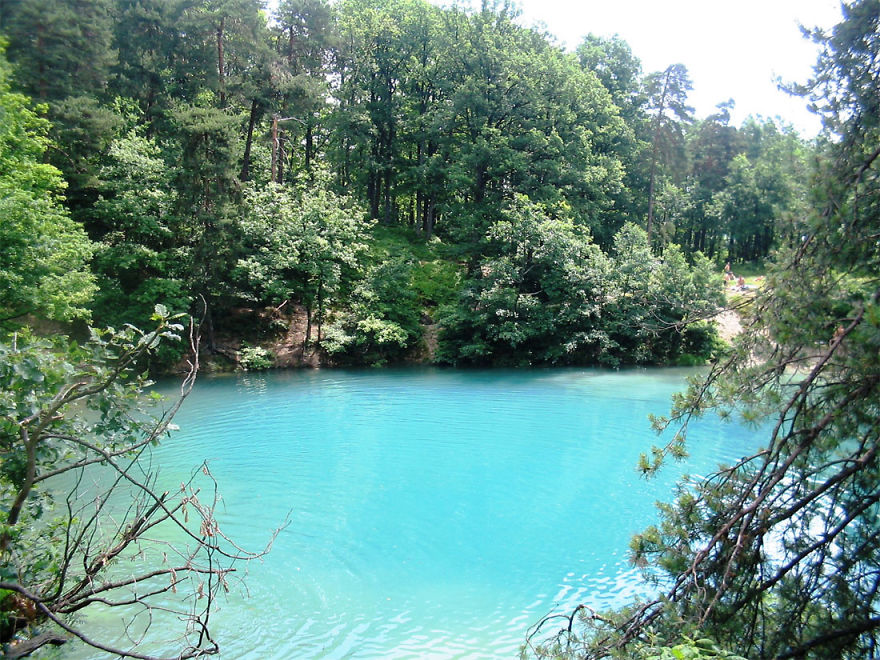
433,513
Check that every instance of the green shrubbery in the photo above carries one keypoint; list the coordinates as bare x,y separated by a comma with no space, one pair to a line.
254,358
436,282
381,323
549,295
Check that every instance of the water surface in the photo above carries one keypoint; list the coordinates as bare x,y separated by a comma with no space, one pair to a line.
432,513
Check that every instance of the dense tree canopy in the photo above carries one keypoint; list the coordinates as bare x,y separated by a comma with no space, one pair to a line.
43,253
438,121
407,181
777,556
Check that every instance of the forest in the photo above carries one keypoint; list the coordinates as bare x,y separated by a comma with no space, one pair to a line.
381,169
411,183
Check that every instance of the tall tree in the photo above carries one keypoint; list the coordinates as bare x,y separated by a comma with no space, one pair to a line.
63,52
306,247
148,47
711,145
525,119
538,300
43,253
63,48
140,237
305,37
206,168
782,159
620,72
667,104
778,555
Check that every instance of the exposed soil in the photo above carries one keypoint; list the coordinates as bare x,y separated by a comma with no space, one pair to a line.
729,325
430,341
280,331
290,349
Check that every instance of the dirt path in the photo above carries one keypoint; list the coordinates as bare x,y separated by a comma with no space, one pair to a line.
729,325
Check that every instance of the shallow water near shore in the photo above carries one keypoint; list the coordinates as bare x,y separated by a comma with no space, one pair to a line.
433,513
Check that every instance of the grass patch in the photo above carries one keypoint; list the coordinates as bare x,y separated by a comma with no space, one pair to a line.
749,269
436,275
752,274
389,242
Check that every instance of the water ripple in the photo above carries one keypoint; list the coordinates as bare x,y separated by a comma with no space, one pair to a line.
434,514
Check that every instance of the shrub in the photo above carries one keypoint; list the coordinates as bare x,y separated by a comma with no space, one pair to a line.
254,358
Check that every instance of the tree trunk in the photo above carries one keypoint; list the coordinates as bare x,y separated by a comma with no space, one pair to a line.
373,191
209,328
280,157
41,67
429,220
221,64
651,185
309,144
246,160
25,489
290,42
655,148
320,308
274,147
386,197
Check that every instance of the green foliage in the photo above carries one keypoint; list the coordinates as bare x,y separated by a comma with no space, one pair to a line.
43,253
63,56
436,282
138,258
389,241
690,649
254,358
436,276
551,296
777,556
382,322
667,104
475,110
654,301
214,157
305,245
536,301
440,119
205,165
51,41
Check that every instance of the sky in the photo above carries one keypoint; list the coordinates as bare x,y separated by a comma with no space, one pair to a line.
732,48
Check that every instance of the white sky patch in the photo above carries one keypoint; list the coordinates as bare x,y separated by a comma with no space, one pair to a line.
731,49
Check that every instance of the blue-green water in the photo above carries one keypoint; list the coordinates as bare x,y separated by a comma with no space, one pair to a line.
432,513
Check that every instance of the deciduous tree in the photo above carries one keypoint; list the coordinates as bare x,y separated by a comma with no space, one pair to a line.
778,555
79,498
43,253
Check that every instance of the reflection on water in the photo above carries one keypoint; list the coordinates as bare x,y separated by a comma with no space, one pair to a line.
433,513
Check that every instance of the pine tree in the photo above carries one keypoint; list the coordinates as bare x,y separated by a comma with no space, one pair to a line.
778,556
